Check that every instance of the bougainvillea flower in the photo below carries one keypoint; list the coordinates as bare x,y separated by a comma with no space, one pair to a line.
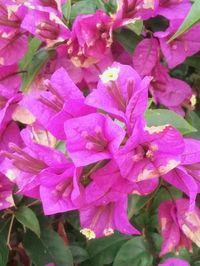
6,199
174,262
8,103
121,93
25,164
60,101
13,41
11,16
181,179
109,185
46,5
13,47
189,221
102,220
91,39
71,109
10,78
170,92
60,190
186,176
146,56
148,154
46,26
168,8
120,55
129,11
11,133
173,237
176,51
92,138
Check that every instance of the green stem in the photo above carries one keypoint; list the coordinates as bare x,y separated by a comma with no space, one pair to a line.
9,232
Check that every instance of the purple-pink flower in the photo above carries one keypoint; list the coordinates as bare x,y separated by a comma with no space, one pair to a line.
176,51
174,262
91,39
102,220
121,93
92,138
147,154
179,225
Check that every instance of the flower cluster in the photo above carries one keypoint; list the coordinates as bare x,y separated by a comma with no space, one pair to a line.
91,96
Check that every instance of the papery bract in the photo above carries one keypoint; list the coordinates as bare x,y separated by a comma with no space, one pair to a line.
46,26
174,8
92,138
146,56
60,190
121,93
173,237
128,11
174,262
59,101
148,154
6,199
170,92
102,220
91,39
182,47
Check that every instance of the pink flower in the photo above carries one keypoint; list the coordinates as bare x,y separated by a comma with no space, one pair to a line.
186,176
102,220
8,103
13,41
6,199
147,154
46,26
92,138
131,10
174,262
174,8
182,47
91,39
179,225
173,237
121,93
60,190
12,48
60,100
25,165
170,92
109,185
10,78
146,56
46,5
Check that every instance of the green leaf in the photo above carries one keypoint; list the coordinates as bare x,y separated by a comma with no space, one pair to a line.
137,203
79,254
103,251
127,38
164,195
34,67
83,7
192,18
194,120
34,44
3,247
134,252
136,26
28,219
159,117
66,9
48,248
